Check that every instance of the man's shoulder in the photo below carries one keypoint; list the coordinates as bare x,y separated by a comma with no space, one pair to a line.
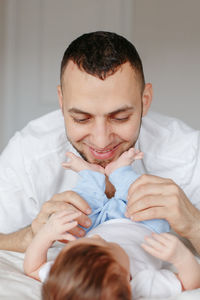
161,123
40,137
46,123
171,147
158,130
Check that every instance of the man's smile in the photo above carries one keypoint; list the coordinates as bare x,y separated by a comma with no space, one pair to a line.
104,153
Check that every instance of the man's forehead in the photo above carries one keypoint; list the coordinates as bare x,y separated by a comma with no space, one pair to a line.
71,66
120,88
72,69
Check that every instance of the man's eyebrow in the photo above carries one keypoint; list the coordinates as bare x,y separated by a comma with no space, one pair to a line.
122,109
77,111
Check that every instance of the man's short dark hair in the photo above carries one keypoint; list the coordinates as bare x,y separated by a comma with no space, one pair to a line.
101,54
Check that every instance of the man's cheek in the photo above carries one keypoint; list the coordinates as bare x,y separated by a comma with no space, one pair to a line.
129,134
74,133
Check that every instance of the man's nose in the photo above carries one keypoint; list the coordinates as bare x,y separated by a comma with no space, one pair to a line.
101,134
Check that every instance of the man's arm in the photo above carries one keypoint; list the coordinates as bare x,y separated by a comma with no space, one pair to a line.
169,248
152,197
18,241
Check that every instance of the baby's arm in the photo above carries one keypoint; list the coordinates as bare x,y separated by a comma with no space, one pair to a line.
169,248
55,229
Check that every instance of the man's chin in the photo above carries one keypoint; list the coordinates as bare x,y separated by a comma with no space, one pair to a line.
102,163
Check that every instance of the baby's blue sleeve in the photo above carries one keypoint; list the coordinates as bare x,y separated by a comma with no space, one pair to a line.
122,178
91,187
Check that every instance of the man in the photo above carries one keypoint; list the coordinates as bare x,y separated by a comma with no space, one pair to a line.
104,99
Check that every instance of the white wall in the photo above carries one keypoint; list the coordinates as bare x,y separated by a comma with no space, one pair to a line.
168,37
2,57
35,33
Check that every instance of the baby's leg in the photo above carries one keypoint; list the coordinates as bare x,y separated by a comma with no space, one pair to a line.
78,164
125,159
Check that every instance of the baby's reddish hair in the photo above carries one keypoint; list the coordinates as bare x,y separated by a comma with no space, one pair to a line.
86,272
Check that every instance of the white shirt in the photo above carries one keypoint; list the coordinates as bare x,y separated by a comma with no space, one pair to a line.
31,171
150,278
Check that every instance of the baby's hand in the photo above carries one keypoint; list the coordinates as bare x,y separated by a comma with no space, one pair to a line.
166,247
59,224
125,159
78,164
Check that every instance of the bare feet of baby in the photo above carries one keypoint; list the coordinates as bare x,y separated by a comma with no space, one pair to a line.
78,164
125,159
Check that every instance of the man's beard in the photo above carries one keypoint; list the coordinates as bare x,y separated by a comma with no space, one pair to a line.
101,163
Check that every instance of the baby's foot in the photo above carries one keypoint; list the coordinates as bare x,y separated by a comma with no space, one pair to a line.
125,159
78,164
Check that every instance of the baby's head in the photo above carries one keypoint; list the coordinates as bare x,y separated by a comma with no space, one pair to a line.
89,268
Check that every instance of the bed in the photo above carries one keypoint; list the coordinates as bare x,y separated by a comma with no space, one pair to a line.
14,285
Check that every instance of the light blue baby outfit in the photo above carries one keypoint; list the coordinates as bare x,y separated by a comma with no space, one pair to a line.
91,187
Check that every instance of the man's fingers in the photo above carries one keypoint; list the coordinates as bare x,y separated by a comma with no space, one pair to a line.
149,189
150,213
147,181
77,231
147,203
84,221
65,201
54,207
74,199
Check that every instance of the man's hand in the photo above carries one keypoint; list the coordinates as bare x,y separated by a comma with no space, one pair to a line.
152,197
66,201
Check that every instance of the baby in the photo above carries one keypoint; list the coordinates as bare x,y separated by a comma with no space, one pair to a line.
101,265
91,187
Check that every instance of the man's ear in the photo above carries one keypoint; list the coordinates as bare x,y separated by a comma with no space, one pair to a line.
147,98
60,97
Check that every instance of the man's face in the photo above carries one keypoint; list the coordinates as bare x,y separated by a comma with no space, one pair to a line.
102,117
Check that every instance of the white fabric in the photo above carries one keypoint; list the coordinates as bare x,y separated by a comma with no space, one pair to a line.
14,284
44,270
31,172
149,278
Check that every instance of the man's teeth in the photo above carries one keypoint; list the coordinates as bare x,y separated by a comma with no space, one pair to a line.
102,151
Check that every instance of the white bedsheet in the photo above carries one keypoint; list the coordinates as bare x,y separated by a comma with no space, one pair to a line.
14,285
